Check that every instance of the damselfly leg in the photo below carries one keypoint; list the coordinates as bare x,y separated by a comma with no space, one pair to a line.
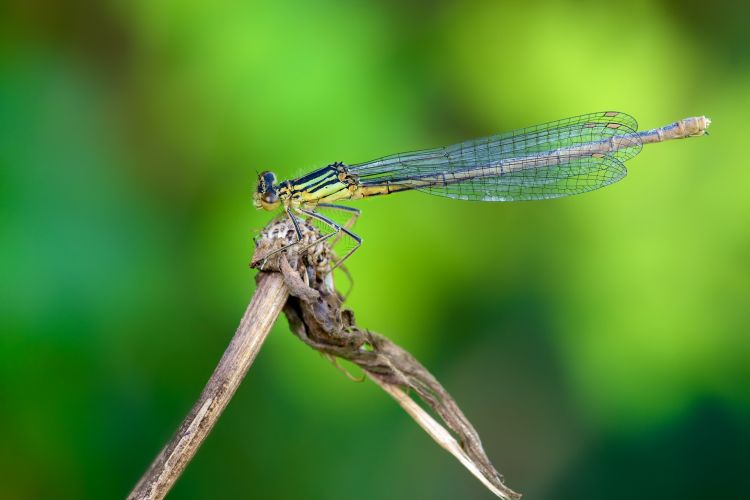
353,213
298,233
338,230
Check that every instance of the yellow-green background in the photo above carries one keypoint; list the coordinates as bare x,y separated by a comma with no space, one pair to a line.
599,343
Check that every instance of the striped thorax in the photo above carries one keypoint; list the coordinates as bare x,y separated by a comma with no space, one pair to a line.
325,185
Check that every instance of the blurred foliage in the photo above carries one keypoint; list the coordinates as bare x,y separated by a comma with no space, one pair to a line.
599,343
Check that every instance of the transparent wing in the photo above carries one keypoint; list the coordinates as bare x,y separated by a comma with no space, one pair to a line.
585,152
575,176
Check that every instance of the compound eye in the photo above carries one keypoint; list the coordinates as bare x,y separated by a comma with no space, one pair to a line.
269,200
268,178
270,197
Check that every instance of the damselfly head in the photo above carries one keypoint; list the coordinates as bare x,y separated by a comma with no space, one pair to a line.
266,196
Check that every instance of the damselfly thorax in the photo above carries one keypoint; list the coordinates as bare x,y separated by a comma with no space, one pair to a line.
555,159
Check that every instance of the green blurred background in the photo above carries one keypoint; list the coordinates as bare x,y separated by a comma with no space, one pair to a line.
599,343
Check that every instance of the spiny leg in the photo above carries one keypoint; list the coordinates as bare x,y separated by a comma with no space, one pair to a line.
353,212
296,225
337,229
328,222
358,243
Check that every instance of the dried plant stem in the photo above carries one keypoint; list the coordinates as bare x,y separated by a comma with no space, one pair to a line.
264,308
302,285
442,437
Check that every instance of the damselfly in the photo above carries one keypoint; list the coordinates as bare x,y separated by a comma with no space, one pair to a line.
551,160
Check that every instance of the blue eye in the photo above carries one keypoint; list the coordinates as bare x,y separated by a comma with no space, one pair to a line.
269,179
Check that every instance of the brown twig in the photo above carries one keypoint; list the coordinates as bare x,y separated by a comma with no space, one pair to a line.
316,316
303,285
261,314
